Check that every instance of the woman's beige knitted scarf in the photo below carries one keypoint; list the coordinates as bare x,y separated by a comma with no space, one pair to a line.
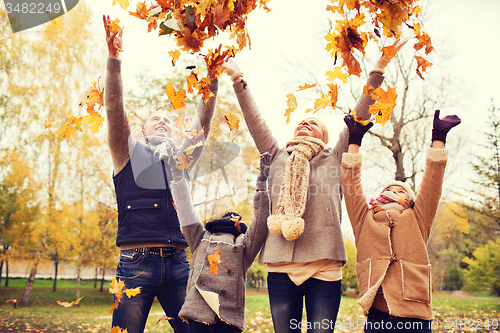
287,219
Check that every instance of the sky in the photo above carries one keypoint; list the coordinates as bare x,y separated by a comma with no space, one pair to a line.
291,36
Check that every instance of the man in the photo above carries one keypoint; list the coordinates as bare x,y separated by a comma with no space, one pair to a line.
152,246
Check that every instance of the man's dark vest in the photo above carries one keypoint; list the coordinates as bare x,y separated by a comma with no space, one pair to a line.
146,212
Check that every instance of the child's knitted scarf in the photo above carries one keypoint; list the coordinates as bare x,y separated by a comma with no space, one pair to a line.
287,219
160,146
389,200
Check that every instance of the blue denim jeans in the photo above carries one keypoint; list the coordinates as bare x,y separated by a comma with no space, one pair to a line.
379,322
164,278
322,300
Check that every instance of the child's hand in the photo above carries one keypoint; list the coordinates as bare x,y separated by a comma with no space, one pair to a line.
265,165
356,130
441,127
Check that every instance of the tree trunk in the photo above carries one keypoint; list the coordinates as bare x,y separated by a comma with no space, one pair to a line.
29,285
56,268
1,270
102,278
78,278
6,273
95,279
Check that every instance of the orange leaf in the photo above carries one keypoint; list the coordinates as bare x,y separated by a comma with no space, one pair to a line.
175,55
118,329
13,301
164,318
47,124
422,63
113,25
424,40
176,98
141,11
193,134
385,103
192,81
359,120
69,305
116,289
214,260
133,292
389,52
95,120
179,120
183,161
291,103
306,86
232,122
94,96
320,103
333,94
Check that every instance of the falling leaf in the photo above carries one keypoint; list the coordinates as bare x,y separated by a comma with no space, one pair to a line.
176,98
337,74
95,120
291,103
192,81
94,96
422,64
320,103
47,124
389,52
66,131
306,86
175,55
214,260
141,11
179,120
69,305
123,3
114,26
164,318
237,221
385,103
424,41
189,150
232,122
133,292
194,134
116,289
333,94
118,329
183,161
13,301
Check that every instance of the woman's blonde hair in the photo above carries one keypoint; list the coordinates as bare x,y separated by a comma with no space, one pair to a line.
323,128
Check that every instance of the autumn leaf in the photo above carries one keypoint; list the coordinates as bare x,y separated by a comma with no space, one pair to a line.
320,103
389,52
95,120
118,329
291,103
133,292
114,25
194,134
164,318
214,260
176,98
337,74
13,301
306,86
358,119
183,161
123,3
424,41
47,124
422,64
65,131
69,305
175,55
116,289
190,149
94,96
385,103
141,11
192,81
333,94
204,89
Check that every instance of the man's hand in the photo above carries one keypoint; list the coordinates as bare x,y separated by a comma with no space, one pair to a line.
113,39
233,70
383,61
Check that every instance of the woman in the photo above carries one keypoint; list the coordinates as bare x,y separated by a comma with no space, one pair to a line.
304,250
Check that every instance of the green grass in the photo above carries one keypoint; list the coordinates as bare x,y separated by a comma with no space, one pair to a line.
45,315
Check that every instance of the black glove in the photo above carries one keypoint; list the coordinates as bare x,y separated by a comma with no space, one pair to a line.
176,172
265,165
440,127
356,130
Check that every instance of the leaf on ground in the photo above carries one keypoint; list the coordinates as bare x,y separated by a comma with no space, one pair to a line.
13,301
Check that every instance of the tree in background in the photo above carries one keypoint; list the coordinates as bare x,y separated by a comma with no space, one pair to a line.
483,269
349,277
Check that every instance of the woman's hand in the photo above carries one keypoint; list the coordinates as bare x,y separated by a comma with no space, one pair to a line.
441,127
113,39
233,70
383,61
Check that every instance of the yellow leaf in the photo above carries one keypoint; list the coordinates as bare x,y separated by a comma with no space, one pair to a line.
133,292
176,98
118,329
320,103
95,121
232,122
69,305
66,131
175,55
306,86
291,103
47,124
189,150
337,74
385,103
183,161
123,3
333,94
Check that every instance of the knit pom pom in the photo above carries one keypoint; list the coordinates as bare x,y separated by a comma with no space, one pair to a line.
274,223
292,227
